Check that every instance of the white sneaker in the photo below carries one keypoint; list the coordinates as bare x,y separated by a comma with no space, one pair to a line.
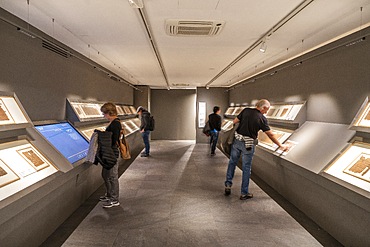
110,204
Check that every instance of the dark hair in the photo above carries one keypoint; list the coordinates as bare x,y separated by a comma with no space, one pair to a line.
109,108
216,109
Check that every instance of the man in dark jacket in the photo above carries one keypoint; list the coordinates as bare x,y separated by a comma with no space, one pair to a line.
144,128
214,120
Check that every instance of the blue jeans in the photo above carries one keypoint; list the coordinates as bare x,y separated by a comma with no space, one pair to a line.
145,136
238,149
213,141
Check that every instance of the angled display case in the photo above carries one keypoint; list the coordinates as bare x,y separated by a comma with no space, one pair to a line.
352,165
361,122
21,165
22,162
290,115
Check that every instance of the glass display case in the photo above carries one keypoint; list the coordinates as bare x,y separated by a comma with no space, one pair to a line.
234,111
361,121
284,111
353,165
227,124
11,113
281,134
21,165
81,111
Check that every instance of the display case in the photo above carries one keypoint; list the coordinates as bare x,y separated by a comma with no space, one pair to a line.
281,135
227,124
12,114
233,111
80,112
361,121
21,165
353,165
290,115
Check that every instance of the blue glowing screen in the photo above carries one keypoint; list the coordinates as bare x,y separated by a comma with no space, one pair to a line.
66,140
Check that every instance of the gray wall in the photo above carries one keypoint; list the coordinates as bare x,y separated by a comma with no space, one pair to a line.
174,112
334,83
142,97
213,97
43,80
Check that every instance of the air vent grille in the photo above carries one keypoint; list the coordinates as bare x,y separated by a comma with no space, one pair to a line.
56,49
193,27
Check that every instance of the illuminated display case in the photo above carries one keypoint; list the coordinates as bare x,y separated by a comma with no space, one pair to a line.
284,111
281,134
88,131
234,111
21,165
12,114
226,125
85,111
361,121
353,165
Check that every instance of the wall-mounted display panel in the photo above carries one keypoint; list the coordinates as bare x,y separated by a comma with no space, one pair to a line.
353,165
21,165
10,112
66,139
281,134
202,106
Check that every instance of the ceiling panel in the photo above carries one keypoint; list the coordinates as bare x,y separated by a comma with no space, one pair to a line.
113,34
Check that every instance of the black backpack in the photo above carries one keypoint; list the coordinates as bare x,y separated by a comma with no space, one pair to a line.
151,123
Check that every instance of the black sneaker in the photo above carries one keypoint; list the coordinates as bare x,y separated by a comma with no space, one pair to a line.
227,191
110,203
144,155
213,154
247,196
103,198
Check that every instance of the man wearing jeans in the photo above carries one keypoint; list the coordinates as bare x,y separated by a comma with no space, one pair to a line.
215,126
250,120
144,129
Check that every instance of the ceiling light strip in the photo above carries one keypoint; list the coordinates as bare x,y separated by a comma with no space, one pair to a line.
154,45
266,72
277,26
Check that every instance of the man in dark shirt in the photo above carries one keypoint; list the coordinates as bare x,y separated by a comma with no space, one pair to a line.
214,120
144,129
250,122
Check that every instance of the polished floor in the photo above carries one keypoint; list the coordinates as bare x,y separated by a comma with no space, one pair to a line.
175,198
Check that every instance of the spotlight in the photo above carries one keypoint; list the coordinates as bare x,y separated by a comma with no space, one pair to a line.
263,47
137,4
207,87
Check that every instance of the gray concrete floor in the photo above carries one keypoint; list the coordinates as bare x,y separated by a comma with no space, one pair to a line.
175,198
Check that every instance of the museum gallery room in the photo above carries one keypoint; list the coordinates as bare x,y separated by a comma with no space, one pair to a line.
184,123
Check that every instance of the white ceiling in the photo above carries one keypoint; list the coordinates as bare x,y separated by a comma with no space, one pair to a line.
113,34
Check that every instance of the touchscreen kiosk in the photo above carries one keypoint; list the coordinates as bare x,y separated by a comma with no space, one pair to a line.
66,140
